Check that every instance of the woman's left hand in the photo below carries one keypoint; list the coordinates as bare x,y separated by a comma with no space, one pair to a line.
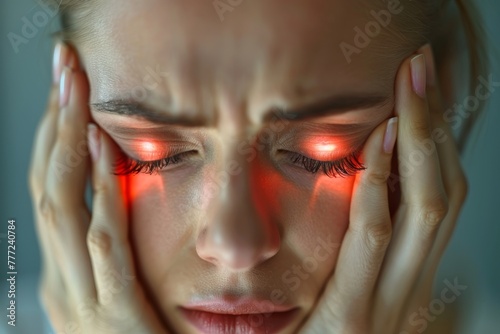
386,266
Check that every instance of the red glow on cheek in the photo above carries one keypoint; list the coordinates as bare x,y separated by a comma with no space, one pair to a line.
143,184
339,186
124,185
140,185
269,203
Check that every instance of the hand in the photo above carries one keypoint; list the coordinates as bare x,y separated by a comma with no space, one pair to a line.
387,264
88,283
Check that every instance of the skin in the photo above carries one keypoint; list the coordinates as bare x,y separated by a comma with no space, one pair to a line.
178,238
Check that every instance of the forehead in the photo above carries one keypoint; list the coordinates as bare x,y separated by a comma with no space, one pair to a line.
277,51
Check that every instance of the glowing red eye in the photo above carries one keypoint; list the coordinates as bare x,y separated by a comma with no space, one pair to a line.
148,146
325,147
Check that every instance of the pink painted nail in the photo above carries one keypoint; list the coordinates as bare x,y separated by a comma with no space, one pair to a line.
430,64
94,142
418,75
65,87
391,133
59,61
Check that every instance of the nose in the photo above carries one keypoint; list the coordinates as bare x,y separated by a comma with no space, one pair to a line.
238,235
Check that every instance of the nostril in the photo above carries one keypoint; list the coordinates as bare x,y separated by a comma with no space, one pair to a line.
212,260
241,258
237,244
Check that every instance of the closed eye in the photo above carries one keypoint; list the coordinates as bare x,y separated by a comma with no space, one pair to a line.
347,166
126,165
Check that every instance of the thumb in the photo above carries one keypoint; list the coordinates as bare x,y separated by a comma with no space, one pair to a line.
109,190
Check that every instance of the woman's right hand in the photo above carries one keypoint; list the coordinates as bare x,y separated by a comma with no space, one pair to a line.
88,282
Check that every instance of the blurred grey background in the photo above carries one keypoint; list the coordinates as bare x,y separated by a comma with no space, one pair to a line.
472,257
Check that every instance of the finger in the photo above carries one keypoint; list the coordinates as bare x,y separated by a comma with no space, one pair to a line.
65,187
44,140
46,132
365,242
119,291
107,238
424,201
419,167
42,147
454,179
43,143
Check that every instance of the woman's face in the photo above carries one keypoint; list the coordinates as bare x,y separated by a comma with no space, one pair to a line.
237,222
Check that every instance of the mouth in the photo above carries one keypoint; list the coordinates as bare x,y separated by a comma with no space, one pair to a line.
249,316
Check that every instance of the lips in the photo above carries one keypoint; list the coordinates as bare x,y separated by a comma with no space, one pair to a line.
249,316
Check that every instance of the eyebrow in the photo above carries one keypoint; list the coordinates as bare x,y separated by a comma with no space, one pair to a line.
326,107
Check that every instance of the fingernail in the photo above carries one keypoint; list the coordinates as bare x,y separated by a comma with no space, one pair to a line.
418,76
94,142
430,65
59,61
391,133
65,87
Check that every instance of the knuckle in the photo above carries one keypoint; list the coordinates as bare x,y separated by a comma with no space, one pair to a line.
47,210
56,207
434,213
101,187
379,235
377,177
420,128
99,241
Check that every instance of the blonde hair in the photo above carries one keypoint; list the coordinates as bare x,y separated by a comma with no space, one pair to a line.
423,25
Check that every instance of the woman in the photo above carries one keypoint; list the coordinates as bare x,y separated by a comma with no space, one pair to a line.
245,170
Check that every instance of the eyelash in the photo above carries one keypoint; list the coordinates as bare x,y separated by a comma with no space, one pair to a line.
344,167
129,166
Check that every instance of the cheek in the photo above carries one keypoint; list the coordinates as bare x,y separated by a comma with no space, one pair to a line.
305,207
313,222
328,208
163,210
